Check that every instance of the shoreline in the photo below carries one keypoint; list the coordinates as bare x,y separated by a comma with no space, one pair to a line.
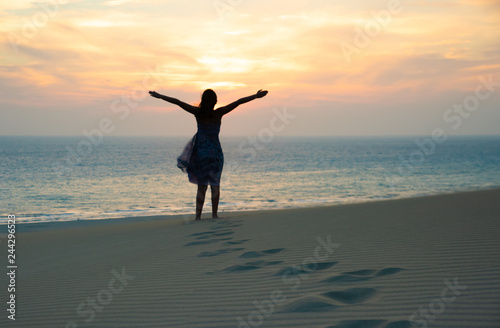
189,218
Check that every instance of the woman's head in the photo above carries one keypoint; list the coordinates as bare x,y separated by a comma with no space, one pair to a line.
208,101
208,98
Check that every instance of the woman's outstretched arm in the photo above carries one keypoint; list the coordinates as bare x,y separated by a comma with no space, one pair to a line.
187,107
226,109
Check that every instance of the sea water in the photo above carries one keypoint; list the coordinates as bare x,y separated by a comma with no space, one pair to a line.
64,178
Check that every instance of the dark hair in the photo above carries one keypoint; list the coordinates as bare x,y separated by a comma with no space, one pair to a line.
208,101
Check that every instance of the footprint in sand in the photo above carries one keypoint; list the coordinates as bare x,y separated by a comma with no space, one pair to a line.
236,242
206,242
222,229
352,295
223,233
305,269
322,303
361,275
222,224
254,254
219,252
208,234
372,324
210,237
331,300
253,265
264,263
248,266
201,233
227,226
313,303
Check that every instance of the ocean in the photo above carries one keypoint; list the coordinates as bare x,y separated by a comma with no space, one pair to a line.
46,179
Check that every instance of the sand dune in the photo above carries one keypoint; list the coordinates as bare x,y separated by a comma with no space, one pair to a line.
433,261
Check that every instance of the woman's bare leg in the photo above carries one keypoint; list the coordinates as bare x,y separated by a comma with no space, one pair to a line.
215,200
200,199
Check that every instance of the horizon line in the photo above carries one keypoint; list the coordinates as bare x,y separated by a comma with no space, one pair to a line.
245,136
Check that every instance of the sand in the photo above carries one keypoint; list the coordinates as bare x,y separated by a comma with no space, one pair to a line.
433,261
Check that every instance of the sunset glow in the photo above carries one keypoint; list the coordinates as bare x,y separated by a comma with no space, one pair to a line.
342,60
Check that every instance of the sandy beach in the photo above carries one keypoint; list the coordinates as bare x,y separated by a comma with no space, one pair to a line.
432,261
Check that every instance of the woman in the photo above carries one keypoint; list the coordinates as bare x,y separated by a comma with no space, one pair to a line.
202,158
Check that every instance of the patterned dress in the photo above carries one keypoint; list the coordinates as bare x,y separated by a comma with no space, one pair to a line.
202,158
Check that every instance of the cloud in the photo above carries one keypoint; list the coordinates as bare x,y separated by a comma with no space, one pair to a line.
94,51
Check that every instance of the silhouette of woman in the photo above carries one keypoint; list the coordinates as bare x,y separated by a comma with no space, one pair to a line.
202,158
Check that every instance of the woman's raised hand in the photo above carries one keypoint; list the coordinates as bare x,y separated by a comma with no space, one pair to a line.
261,93
154,94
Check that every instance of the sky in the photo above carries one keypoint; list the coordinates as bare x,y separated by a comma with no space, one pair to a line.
332,68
